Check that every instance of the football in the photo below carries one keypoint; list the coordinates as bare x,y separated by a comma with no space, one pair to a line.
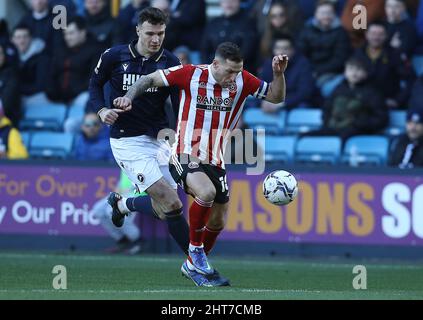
280,187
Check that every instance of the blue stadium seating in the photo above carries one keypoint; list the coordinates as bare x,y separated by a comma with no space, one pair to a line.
303,120
77,112
257,119
280,148
366,150
48,145
44,118
397,121
26,138
318,150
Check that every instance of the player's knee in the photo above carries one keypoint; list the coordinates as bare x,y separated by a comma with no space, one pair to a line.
217,223
207,194
175,204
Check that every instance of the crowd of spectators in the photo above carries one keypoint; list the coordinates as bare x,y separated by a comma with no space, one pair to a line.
356,76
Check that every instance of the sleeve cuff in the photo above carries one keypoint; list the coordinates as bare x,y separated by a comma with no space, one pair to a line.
164,78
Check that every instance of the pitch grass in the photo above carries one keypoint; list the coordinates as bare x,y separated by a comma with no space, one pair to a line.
29,276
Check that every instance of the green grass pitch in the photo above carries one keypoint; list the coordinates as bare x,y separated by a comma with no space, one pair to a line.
29,276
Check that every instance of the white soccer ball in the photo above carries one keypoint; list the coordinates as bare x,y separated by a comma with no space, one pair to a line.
280,187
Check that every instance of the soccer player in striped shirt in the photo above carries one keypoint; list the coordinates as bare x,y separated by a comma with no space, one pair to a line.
211,102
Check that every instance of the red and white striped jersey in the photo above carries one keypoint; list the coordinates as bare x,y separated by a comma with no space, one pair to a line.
207,112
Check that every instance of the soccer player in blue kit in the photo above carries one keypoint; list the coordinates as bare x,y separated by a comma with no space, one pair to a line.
133,135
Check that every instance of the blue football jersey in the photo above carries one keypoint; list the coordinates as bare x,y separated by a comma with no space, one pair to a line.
120,67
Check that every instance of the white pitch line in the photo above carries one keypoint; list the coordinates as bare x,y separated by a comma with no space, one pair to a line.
152,291
221,260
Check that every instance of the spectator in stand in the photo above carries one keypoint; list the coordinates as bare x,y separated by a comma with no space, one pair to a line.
33,62
402,33
407,150
186,24
9,89
163,5
374,11
416,97
388,72
100,24
183,54
354,107
10,50
234,26
68,4
260,12
128,20
326,44
11,146
93,143
40,21
71,69
298,75
279,22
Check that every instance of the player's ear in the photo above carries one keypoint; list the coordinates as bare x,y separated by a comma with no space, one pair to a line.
215,63
137,28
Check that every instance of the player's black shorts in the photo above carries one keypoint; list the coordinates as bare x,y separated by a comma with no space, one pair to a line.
183,164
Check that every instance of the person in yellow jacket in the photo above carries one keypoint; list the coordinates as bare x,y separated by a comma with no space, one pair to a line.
11,145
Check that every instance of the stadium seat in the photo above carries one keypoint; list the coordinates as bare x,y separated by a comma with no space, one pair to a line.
366,150
318,150
417,61
26,138
44,118
57,145
280,148
397,121
303,120
257,119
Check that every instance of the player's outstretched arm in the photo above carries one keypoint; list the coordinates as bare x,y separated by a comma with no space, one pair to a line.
277,89
143,83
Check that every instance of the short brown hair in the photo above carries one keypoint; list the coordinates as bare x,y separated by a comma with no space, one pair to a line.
229,51
152,15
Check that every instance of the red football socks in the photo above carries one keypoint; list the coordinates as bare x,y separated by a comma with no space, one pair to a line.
199,213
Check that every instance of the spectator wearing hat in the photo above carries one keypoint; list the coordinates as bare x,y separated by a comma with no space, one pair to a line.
407,149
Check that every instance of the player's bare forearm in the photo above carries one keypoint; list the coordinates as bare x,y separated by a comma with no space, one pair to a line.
143,83
277,89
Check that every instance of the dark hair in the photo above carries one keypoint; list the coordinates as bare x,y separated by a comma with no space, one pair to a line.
325,3
22,27
356,62
152,15
229,51
80,22
376,23
284,37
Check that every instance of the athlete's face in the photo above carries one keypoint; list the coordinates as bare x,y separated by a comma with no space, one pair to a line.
151,37
226,71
